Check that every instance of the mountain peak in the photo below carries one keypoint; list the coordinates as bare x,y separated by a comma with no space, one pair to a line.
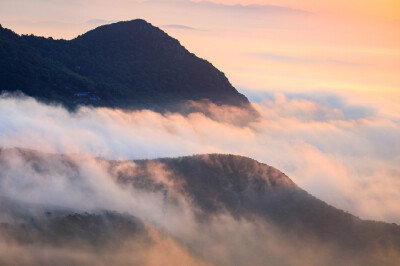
128,26
129,64
134,37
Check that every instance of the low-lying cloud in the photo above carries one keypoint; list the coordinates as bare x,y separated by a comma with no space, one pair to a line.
33,185
352,163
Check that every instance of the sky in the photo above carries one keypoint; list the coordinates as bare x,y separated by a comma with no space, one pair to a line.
323,74
388,9
347,47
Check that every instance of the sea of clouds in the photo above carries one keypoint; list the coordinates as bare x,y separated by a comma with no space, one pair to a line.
344,154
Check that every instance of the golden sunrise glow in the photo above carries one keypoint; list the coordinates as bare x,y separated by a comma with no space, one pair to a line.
337,46
387,9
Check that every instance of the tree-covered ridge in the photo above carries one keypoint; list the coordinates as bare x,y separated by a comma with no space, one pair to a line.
128,64
70,201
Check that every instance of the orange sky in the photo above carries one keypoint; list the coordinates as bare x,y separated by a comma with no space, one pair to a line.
387,9
345,47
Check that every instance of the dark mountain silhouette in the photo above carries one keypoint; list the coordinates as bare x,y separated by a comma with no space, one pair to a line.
212,185
129,64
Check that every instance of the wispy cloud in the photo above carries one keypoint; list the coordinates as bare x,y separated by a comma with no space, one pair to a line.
100,21
250,8
177,26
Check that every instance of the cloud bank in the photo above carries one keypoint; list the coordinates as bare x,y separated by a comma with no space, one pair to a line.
351,163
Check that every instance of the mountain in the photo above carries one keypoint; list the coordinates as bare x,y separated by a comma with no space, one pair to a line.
129,64
221,209
244,188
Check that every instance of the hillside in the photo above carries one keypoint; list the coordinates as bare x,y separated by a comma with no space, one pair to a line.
233,200
129,64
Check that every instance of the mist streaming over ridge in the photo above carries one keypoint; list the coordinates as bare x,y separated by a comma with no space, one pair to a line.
350,163
198,210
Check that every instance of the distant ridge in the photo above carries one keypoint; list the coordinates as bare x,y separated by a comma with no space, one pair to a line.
129,64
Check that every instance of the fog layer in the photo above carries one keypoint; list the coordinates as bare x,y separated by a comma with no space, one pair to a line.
344,154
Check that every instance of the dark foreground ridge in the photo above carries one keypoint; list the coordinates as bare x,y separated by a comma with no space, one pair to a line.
129,64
